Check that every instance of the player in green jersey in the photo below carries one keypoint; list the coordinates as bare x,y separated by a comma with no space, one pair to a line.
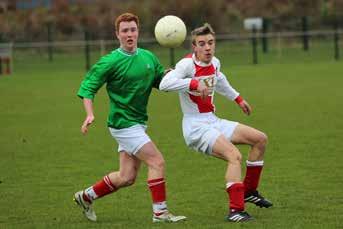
129,73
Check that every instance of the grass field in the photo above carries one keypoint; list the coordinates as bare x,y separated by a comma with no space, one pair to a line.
45,159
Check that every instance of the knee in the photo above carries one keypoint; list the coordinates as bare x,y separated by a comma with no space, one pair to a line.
235,157
158,164
130,181
262,139
127,180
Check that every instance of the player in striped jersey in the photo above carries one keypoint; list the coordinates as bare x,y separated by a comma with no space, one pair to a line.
130,73
196,77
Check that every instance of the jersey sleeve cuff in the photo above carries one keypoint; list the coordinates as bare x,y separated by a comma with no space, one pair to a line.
193,85
239,99
84,94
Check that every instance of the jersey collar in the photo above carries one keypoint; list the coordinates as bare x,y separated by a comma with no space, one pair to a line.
126,53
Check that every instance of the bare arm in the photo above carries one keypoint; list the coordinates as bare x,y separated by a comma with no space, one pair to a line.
88,105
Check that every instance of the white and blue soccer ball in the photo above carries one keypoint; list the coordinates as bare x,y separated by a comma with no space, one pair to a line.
170,31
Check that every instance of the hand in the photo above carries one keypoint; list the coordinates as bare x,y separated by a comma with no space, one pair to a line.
245,107
203,90
89,120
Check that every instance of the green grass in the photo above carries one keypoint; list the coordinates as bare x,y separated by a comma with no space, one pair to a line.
45,159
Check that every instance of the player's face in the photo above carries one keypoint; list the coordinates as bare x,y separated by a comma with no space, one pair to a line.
127,35
204,48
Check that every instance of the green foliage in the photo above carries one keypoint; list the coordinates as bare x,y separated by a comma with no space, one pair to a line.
70,20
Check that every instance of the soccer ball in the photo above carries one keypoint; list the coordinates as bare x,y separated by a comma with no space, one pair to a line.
170,31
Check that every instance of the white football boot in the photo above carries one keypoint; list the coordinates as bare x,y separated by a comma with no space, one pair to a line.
167,217
85,206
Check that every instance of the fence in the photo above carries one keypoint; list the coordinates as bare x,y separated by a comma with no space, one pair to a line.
233,49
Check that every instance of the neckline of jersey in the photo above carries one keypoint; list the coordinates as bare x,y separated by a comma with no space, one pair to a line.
126,53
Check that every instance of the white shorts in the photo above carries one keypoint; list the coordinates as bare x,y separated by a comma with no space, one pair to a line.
202,130
130,139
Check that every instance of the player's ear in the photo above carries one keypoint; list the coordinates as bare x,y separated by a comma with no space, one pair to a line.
193,47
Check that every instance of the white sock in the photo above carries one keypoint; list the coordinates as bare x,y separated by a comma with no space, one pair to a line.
254,163
159,208
228,184
90,193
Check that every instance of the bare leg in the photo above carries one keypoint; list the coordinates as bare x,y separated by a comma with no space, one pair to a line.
129,166
224,149
153,158
256,139
227,151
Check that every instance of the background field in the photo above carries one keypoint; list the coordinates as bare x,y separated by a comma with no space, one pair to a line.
45,159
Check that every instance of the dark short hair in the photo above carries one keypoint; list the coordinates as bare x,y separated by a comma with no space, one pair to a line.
126,17
203,30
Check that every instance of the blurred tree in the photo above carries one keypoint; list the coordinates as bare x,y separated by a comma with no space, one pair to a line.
33,25
306,8
64,19
332,11
106,12
226,16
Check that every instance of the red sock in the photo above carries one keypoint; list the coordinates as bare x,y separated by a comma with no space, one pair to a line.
158,190
236,196
252,178
100,189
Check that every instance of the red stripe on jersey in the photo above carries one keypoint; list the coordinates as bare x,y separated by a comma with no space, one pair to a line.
204,71
204,105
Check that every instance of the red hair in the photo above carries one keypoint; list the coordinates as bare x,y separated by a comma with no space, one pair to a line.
126,17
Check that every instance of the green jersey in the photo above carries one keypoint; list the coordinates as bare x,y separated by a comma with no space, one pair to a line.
129,80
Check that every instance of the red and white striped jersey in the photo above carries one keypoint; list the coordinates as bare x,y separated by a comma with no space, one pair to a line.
182,78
